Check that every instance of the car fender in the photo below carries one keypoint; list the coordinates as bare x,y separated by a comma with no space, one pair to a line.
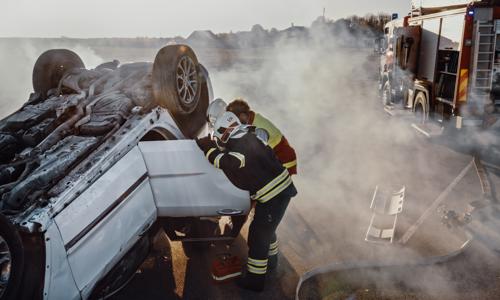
59,282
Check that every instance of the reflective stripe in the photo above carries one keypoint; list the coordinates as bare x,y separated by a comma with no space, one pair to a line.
239,156
222,278
273,245
257,266
210,152
257,270
288,165
273,249
273,252
276,191
462,88
217,160
270,185
257,262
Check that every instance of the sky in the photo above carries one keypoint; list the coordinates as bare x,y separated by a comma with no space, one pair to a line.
163,18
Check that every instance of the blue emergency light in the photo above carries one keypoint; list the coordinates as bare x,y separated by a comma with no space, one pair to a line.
470,12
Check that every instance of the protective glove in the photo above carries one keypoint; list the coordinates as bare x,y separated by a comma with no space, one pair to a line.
205,143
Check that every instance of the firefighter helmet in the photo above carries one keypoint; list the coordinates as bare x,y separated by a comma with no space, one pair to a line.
215,110
228,126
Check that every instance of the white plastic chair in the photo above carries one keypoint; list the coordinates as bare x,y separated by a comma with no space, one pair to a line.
385,207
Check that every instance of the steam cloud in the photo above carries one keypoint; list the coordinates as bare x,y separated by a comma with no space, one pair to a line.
323,95
17,58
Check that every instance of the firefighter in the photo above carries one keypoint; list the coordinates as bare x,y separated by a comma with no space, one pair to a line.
272,136
275,139
250,165
218,107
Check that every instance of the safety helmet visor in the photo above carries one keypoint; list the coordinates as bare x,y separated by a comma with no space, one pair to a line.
226,126
225,133
215,110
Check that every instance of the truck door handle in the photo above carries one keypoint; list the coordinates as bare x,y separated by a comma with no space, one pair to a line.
229,212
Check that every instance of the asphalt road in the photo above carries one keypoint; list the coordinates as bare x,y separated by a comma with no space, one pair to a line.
347,145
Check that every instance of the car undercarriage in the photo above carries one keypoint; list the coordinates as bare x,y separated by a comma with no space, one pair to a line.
81,153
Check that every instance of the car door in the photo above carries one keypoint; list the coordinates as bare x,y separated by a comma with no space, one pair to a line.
106,220
185,184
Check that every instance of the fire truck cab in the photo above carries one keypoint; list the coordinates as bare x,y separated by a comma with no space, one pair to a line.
386,45
443,63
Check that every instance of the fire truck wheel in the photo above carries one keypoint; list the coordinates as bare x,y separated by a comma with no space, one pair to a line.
386,94
420,108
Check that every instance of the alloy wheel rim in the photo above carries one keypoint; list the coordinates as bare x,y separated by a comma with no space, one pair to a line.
187,80
5,265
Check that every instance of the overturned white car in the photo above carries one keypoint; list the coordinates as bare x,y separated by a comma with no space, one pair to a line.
95,163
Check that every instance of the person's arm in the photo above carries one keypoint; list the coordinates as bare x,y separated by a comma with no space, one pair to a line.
220,159
262,134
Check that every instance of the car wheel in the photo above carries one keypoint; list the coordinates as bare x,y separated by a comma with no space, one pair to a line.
179,86
11,260
192,124
176,79
51,66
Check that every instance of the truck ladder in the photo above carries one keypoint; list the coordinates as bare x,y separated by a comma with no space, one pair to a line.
484,64
484,50
496,64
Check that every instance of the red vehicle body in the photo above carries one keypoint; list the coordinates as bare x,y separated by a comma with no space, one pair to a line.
443,63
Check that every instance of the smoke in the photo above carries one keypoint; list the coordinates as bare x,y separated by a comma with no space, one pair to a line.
322,93
17,58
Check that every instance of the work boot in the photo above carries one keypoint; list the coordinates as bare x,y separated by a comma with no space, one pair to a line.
272,262
252,282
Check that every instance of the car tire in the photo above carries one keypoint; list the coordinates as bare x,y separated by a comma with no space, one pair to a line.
51,66
11,260
192,124
176,79
179,87
420,108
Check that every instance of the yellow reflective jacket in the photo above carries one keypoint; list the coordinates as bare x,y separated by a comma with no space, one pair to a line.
285,153
275,135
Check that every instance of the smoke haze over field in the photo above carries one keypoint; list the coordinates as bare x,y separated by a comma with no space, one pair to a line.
17,58
153,18
324,98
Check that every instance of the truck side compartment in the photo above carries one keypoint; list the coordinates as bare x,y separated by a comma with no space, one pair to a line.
458,63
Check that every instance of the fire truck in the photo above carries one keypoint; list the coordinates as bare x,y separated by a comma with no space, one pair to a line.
443,63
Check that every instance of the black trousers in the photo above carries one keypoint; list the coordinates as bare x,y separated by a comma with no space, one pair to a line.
262,231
